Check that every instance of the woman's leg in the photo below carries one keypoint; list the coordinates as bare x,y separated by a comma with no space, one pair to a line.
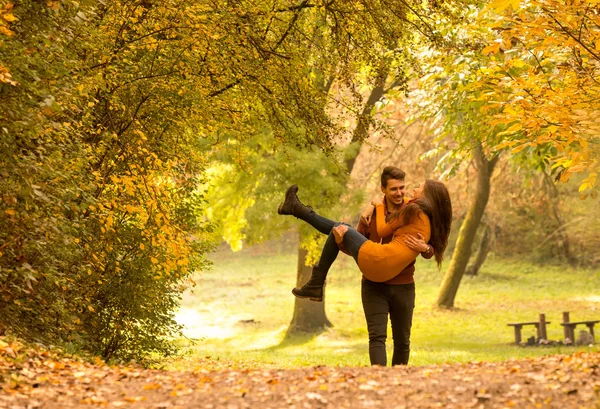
353,241
293,206
313,289
322,224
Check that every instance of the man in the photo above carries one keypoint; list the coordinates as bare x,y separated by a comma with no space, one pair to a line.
395,297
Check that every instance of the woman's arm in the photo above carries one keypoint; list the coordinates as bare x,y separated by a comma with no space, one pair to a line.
419,245
365,216
385,229
398,255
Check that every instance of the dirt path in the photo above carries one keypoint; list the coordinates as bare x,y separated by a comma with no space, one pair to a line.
34,379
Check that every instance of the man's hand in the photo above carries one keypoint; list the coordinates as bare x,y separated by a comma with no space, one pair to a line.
338,233
365,216
416,244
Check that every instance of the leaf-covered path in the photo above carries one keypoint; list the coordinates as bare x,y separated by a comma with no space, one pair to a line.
41,379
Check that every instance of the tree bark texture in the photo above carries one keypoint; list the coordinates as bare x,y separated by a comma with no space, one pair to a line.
361,132
309,316
563,243
484,248
468,230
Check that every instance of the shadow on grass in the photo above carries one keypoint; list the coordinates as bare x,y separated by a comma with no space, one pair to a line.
296,338
488,276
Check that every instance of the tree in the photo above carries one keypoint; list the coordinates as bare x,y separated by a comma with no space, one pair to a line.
519,80
542,70
468,229
108,111
376,52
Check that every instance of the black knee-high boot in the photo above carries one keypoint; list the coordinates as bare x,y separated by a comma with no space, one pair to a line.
313,288
292,205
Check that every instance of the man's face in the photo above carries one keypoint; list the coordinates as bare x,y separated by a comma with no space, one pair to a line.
394,191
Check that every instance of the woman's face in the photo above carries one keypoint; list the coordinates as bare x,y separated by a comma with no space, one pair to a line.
419,192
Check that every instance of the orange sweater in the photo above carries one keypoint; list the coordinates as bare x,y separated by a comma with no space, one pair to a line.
381,262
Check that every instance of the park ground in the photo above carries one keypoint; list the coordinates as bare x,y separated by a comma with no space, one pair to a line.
38,379
236,354
239,312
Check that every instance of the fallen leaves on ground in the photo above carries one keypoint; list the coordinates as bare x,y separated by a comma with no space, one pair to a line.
32,378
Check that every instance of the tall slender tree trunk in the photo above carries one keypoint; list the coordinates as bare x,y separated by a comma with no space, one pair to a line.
562,237
468,230
484,248
361,132
309,316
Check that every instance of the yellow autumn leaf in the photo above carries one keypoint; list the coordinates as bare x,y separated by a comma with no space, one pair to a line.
9,17
500,5
512,129
491,49
517,62
6,31
154,260
133,399
519,148
53,4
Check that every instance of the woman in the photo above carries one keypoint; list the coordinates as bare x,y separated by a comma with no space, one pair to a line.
429,213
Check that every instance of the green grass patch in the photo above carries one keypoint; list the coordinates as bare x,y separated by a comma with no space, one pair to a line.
239,312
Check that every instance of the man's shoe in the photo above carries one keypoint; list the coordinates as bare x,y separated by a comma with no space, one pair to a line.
292,205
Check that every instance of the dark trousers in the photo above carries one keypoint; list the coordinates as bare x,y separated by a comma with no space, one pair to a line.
398,301
353,240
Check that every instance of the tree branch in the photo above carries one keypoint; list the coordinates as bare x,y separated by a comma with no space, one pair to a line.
222,90
564,29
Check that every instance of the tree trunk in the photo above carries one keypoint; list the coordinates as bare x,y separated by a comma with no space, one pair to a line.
466,235
361,132
309,316
563,241
484,248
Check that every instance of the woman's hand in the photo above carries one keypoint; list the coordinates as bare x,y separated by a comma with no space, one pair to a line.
365,216
377,200
416,244
338,233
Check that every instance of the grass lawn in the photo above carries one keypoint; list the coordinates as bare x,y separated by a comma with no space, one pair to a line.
239,312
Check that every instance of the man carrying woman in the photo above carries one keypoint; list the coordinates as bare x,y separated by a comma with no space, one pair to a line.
388,267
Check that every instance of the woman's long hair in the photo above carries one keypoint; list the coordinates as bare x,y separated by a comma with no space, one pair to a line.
436,204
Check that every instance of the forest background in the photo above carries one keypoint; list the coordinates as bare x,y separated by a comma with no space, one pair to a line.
137,135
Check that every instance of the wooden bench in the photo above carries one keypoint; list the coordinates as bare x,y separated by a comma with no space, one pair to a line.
569,327
540,327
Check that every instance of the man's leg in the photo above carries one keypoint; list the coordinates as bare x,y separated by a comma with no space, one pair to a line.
376,307
402,299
